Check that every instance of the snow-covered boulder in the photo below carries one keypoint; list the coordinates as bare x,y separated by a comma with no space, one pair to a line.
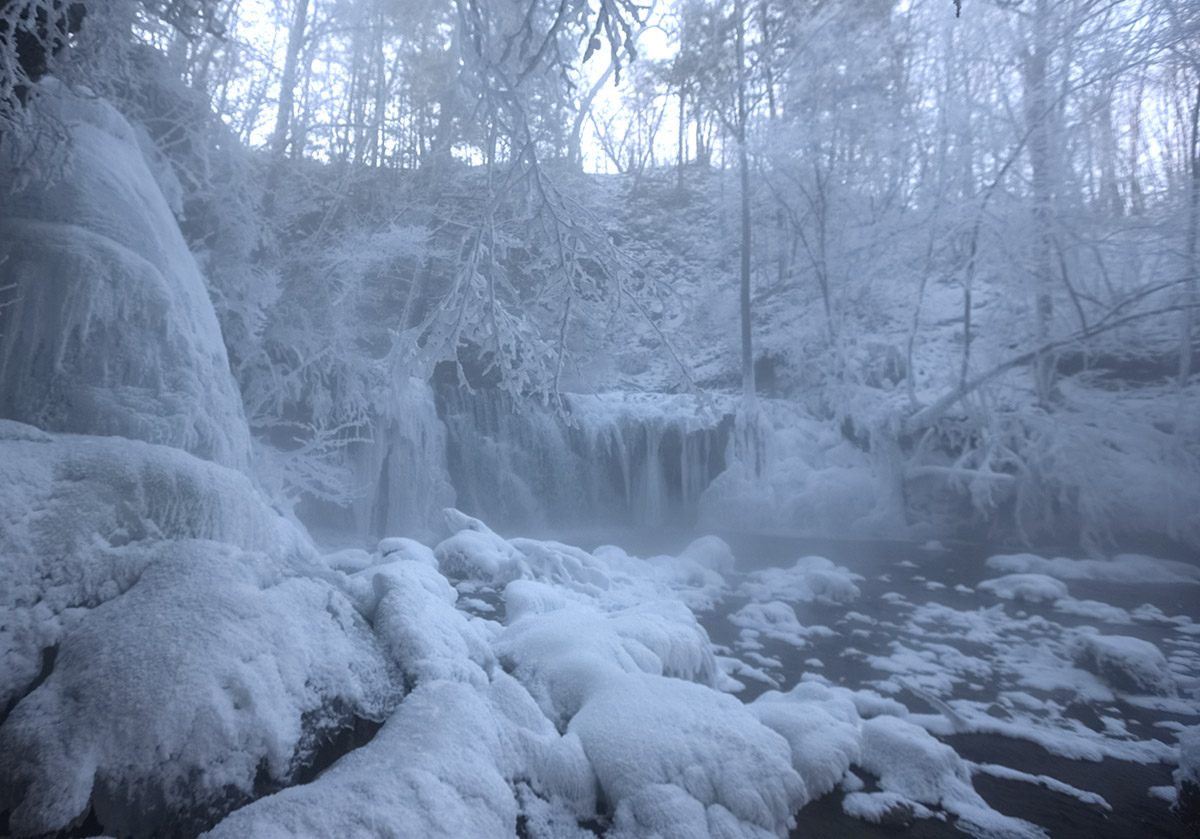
217,673
415,618
1187,778
395,548
809,578
565,655
1127,663
440,768
1031,588
679,760
821,725
110,330
917,769
79,517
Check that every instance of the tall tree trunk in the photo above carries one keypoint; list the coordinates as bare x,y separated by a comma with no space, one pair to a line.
1193,257
575,140
680,156
1038,116
287,84
748,388
767,48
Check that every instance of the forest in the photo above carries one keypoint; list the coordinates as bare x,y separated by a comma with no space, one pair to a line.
343,341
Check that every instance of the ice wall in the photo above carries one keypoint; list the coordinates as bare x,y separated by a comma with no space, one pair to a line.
108,328
617,459
401,471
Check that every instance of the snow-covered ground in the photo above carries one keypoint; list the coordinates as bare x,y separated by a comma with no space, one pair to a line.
537,689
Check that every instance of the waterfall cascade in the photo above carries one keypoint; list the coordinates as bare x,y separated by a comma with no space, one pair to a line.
616,459
401,471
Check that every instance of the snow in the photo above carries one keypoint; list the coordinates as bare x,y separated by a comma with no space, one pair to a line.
884,808
439,768
774,620
914,765
1008,773
110,331
1127,663
810,578
1124,568
79,517
215,665
673,756
1032,588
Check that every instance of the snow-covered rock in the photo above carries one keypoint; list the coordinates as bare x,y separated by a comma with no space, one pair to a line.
1187,778
218,670
79,517
810,578
676,759
1123,568
440,768
1032,588
1126,663
915,766
110,331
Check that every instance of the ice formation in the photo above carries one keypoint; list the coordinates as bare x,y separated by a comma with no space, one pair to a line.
111,330
619,459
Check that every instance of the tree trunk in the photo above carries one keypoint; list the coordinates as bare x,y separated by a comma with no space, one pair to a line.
1037,116
1193,258
287,84
748,389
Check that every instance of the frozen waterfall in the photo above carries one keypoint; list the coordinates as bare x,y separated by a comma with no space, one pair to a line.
616,459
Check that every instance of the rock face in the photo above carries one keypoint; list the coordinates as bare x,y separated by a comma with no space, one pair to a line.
106,327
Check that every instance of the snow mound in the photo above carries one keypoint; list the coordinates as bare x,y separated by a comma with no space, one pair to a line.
821,726
440,768
1128,664
810,578
911,763
1187,777
563,656
475,552
1124,568
416,621
1032,588
777,620
886,808
77,515
677,759
218,669
398,548
110,331
712,553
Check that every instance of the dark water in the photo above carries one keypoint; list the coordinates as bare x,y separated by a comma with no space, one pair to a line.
906,569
